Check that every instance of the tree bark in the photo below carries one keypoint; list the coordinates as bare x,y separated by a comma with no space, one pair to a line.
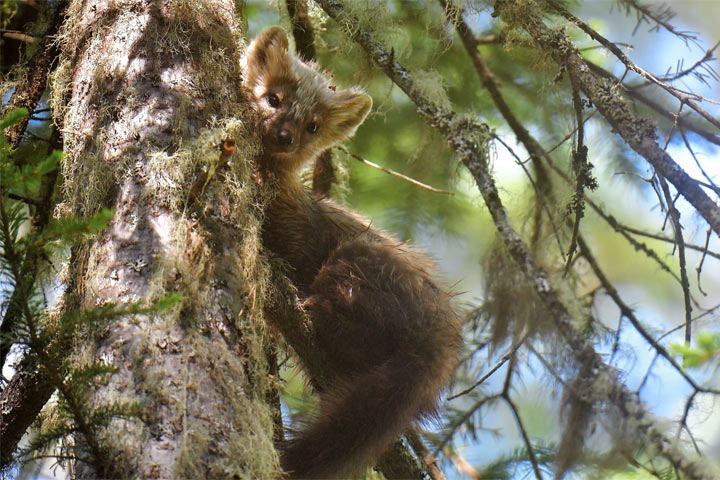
145,92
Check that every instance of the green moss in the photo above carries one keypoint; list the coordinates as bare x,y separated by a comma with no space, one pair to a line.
246,438
430,84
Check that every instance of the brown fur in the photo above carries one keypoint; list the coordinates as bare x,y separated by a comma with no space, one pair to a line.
388,332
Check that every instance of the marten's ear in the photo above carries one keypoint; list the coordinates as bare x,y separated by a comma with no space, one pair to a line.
347,112
267,57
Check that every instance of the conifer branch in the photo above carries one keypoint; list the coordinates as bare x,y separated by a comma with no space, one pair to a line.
680,244
628,313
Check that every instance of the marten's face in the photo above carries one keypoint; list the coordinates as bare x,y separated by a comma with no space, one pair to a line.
302,113
290,125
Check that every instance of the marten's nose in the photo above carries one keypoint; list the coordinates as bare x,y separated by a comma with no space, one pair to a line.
284,137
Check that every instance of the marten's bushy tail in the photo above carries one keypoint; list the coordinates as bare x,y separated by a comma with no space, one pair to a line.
360,419
391,341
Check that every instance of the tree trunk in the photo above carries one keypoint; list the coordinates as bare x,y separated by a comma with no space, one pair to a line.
145,92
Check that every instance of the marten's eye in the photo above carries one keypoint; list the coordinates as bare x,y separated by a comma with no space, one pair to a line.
313,127
273,100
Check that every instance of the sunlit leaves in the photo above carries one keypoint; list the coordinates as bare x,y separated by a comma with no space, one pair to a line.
706,350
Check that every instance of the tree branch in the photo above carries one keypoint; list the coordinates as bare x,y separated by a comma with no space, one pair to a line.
683,122
20,402
31,87
627,312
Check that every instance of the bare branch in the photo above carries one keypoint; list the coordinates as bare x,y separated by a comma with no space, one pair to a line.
628,313
489,374
658,14
395,174
692,69
518,420
680,242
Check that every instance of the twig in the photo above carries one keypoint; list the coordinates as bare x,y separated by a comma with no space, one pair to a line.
702,260
548,366
487,39
581,168
644,12
428,459
464,418
521,426
686,412
490,372
542,199
711,184
680,242
17,35
623,230
679,327
706,58
20,198
647,372
393,172
654,236
627,312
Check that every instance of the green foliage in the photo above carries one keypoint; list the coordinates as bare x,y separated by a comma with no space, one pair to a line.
12,118
72,228
45,338
706,351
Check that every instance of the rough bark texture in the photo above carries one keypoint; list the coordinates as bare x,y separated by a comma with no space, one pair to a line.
22,399
145,92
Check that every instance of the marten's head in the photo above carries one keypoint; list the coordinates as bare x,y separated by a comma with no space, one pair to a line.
302,113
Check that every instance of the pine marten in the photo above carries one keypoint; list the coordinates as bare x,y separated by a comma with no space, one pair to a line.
387,330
